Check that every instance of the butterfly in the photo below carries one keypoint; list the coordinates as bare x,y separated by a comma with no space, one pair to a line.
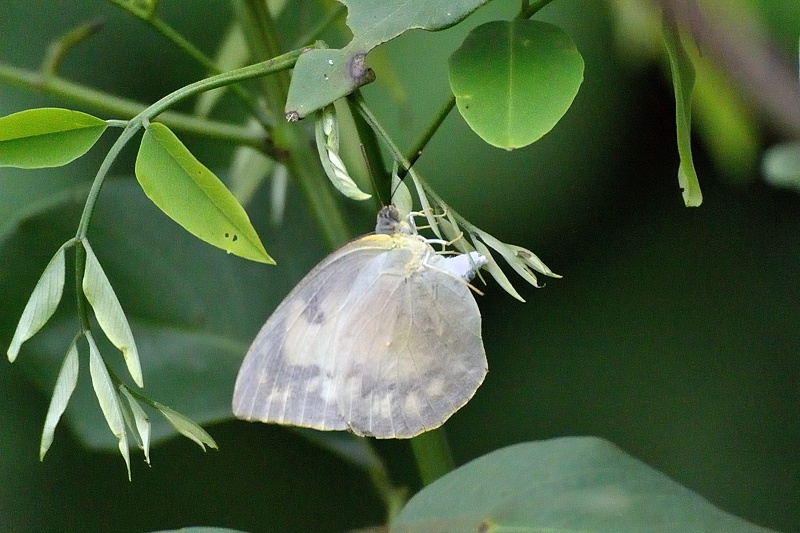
382,338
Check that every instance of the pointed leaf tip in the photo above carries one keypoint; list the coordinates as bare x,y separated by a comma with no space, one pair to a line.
191,195
41,305
65,386
109,313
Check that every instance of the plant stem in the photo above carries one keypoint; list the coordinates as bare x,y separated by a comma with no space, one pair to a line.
191,50
314,33
122,107
531,9
419,146
432,453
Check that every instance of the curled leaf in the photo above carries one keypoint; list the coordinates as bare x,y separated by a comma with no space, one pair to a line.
326,131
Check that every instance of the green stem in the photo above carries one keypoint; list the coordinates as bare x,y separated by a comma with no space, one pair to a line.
432,453
529,10
195,53
426,136
314,33
122,107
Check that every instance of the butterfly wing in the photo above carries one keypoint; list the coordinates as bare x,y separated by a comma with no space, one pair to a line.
372,340
411,353
286,375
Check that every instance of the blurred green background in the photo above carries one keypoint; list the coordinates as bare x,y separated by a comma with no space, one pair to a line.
674,332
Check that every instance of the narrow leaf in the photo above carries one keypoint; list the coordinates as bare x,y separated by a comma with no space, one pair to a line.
326,130
141,423
65,385
514,80
41,305
683,83
187,427
47,137
109,313
108,399
191,195
495,271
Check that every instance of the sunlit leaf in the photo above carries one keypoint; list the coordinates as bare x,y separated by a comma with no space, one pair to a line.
140,425
193,196
65,385
683,84
108,399
41,305
47,137
514,80
322,76
187,427
109,313
570,484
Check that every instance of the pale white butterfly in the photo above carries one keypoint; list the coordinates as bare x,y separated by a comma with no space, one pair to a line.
382,338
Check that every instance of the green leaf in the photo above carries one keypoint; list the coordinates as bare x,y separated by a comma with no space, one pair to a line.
41,305
187,427
108,399
140,425
65,385
109,313
514,80
47,137
781,165
322,76
193,196
683,84
568,484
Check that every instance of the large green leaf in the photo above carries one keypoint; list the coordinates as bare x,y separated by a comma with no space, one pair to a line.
683,84
47,137
323,76
190,194
513,81
570,484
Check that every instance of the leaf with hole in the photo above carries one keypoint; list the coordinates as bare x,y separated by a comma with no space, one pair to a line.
191,195
47,137
514,80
